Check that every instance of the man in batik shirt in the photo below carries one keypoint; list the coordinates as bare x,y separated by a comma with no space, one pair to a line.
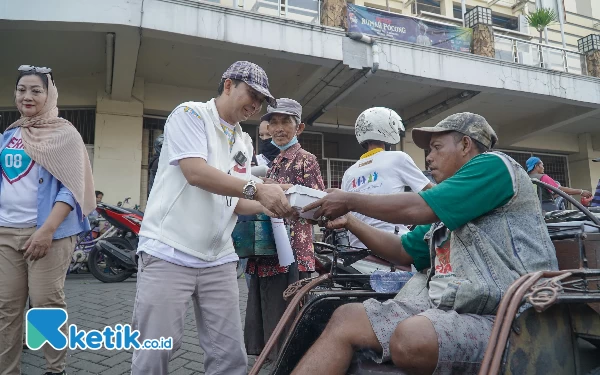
268,280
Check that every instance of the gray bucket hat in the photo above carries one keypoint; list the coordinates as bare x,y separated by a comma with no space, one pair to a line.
469,124
285,106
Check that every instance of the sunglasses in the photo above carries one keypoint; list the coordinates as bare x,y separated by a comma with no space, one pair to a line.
36,69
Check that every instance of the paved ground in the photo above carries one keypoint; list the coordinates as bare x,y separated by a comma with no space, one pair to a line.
94,305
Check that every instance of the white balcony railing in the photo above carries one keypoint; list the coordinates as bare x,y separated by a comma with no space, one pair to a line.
540,55
506,3
298,10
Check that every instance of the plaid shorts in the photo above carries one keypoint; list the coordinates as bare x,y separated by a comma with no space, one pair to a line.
462,338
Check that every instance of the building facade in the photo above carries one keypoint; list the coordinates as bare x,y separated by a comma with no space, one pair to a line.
121,67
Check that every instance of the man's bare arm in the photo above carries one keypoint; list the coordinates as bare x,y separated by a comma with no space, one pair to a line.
248,207
198,173
384,244
401,208
571,191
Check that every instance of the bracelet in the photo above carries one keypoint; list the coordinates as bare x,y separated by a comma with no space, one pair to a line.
581,193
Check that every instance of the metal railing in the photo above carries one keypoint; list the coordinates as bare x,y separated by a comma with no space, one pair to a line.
298,10
540,55
335,171
84,120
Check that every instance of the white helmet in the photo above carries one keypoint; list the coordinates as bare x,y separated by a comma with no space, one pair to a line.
379,124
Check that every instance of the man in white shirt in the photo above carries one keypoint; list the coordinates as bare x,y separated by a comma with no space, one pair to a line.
380,171
185,240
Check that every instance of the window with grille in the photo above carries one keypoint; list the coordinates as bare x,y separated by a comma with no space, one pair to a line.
332,169
503,21
7,118
431,6
556,166
337,169
313,143
84,121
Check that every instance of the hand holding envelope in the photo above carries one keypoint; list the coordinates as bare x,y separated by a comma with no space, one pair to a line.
333,204
310,204
298,196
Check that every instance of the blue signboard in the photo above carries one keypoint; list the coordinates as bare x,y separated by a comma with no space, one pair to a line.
409,29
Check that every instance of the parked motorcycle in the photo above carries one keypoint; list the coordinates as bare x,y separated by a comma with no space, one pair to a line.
85,244
114,259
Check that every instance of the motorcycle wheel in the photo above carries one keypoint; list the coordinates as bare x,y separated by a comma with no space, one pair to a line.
101,266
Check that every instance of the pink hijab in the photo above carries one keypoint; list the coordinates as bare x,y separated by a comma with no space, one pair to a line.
56,145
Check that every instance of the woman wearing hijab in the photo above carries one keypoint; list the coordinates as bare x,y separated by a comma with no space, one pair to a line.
596,197
267,150
535,169
46,194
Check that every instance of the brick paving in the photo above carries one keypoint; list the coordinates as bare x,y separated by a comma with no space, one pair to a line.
94,305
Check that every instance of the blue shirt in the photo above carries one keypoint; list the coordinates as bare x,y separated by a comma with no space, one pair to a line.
50,191
596,200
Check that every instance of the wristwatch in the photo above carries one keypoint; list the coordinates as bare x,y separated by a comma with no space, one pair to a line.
249,190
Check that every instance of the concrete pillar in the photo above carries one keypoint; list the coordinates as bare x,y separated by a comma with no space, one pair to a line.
583,172
479,19
592,60
483,41
118,146
447,8
416,153
334,13
590,46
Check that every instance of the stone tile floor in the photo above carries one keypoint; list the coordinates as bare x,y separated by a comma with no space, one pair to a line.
94,305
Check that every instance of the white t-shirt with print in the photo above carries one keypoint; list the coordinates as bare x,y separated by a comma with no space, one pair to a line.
18,193
187,139
386,172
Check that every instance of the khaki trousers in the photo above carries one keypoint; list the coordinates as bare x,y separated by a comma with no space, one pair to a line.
164,292
43,280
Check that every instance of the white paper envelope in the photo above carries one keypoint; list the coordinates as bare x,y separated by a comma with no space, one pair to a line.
300,196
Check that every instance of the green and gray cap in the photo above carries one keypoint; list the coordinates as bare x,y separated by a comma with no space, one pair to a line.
469,124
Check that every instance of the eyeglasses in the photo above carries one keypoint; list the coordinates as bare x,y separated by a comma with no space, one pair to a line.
36,69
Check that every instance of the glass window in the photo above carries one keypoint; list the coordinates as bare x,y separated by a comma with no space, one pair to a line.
503,21
431,6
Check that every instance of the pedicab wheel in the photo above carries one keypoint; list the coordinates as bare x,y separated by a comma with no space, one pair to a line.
103,268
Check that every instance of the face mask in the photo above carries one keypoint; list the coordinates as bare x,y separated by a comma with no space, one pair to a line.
285,147
266,148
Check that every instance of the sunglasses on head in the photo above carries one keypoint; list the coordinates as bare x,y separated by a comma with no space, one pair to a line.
36,69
